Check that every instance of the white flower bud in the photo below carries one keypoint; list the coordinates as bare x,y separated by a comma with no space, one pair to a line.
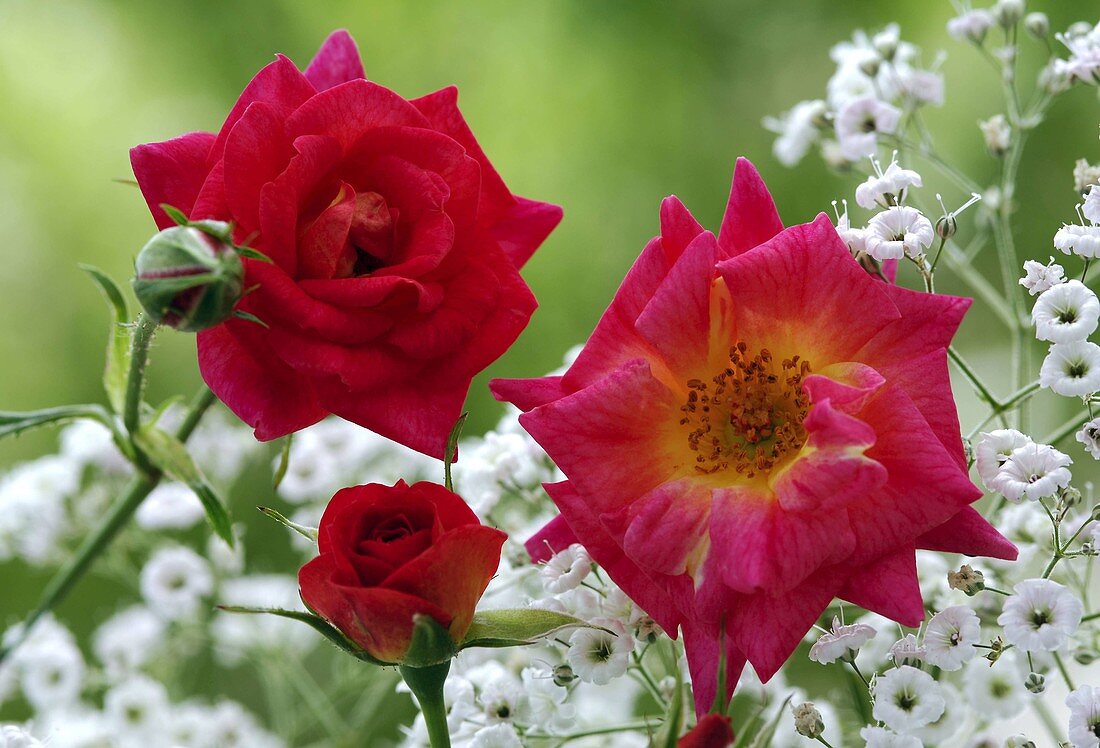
807,720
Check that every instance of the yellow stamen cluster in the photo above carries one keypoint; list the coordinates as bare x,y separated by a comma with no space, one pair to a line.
749,416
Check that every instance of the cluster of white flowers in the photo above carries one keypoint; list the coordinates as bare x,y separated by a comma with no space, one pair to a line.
1083,64
877,83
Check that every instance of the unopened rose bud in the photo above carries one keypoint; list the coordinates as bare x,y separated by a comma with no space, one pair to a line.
1037,24
1035,683
188,278
807,720
968,580
563,675
1009,12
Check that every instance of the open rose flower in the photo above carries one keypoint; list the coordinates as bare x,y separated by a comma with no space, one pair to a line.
389,553
755,427
395,248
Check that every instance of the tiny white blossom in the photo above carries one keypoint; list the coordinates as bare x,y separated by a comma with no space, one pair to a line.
1032,471
798,129
940,731
597,656
52,678
566,570
908,651
137,710
951,636
1039,277
859,124
174,581
840,641
1072,369
855,238
14,736
1091,207
997,134
994,449
906,699
893,181
502,698
1083,63
1066,313
880,737
996,691
496,736
1085,175
1084,717
125,642
546,705
1089,436
171,506
899,231
971,25
1078,239
1041,615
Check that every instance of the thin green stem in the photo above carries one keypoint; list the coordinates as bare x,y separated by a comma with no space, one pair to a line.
144,329
426,684
823,741
1062,669
1090,617
971,376
145,480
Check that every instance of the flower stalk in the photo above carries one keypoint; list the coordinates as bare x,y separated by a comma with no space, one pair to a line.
426,684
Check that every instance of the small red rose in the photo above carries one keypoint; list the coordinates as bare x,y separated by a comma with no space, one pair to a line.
389,553
713,731
395,248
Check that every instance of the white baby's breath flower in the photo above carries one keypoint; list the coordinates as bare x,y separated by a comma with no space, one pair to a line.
233,725
1079,240
174,581
997,134
546,707
138,711
855,238
1072,369
1085,175
881,187
971,25
951,636
1032,471
840,641
860,122
496,736
171,506
940,731
1039,277
996,691
880,737
1091,207
14,736
1084,717
906,699
566,570
52,678
502,698
1089,436
897,232
908,651
1041,615
597,656
798,129
125,642
993,450
1083,63
1066,313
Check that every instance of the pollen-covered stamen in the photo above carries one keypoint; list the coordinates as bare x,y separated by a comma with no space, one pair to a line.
749,416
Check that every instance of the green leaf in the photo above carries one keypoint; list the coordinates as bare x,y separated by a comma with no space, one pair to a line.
517,627
284,462
117,367
254,254
307,532
451,449
175,214
170,455
251,318
430,645
314,621
15,423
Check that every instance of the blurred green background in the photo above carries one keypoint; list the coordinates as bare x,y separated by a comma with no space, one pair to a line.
603,107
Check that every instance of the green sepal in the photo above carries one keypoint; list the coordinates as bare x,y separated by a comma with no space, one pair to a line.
314,621
15,423
239,314
451,449
117,366
284,462
254,254
306,532
430,644
170,455
177,215
518,627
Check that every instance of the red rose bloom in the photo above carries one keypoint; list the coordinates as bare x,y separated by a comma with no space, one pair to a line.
390,553
713,731
395,249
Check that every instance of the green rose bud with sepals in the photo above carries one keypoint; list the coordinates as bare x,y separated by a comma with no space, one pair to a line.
190,277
